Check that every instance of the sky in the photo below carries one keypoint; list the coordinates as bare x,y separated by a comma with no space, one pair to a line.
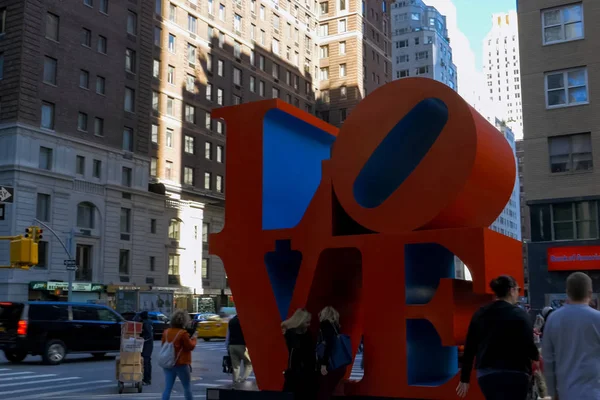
475,20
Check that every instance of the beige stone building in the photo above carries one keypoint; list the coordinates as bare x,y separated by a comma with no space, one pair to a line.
560,73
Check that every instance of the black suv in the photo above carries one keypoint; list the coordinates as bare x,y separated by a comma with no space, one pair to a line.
53,329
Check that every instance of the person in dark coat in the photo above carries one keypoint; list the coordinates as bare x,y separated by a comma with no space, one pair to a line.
148,336
300,376
329,329
236,347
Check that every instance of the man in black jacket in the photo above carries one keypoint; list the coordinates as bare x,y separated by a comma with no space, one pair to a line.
236,346
148,336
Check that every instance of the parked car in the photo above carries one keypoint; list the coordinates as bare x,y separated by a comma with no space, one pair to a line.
213,327
55,329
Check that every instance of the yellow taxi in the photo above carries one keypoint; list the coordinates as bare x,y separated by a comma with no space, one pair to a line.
212,327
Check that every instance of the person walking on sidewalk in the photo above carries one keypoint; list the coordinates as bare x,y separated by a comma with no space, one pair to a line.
500,339
300,374
236,346
148,336
329,330
571,345
183,344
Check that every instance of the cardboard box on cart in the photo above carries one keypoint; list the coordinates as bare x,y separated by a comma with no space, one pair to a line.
129,366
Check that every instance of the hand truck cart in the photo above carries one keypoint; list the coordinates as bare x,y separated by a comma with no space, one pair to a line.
129,366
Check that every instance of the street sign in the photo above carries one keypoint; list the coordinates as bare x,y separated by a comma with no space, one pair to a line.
2,212
71,265
7,194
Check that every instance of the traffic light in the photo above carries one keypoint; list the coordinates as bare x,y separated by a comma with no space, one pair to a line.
34,233
23,253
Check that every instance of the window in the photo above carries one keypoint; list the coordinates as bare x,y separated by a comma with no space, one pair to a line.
342,48
325,96
342,69
154,133
275,93
237,76
219,184
205,268
261,62
343,114
192,23
174,264
43,207
102,45
169,170
209,91
174,229
343,92
343,5
171,74
155,101
262,12
221,40
129,100
207,180
210,7
252,84
130,61
190,114
324,74
100,85
127,139
207,121
103,6
98,126
324,53
172,12
82,121
157,36
172,43
153,166
97,169
209,63
80,165
152,261
275,70
562,24
191,54
220,96
190,83
170,101
85,215
49,69
188,175
342,26
323,30
566,88
169,137
261,88
222,12
86,37
576,220
84,79
131,23
237,22
189,145
324,8
570,153
276,22
47,118
126,176
52,24
275,46
124,261
220,67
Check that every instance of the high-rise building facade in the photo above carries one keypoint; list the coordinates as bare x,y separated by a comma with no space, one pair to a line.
421,46
74,145
559,73
501,68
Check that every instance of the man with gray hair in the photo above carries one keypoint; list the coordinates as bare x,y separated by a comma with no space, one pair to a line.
571,345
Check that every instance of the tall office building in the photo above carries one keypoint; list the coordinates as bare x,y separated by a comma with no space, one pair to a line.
421,45
75,144
559,71
502,70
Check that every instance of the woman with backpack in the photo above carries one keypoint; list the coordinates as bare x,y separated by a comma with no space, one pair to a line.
176,354
300,374
329,330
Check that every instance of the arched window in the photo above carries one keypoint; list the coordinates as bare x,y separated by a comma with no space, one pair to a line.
174,229
86,215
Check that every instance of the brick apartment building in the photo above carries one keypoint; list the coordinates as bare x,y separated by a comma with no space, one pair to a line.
101,100
560,82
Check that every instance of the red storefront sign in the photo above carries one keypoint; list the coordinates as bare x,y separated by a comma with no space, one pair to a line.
575,258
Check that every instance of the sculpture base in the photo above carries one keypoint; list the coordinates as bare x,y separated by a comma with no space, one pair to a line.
230,394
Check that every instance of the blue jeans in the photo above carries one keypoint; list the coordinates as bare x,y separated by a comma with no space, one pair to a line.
183,373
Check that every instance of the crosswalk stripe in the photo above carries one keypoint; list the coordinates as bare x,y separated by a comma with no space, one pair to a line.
61,392
5,369
43,388
14,378
16,373
211,385
42,381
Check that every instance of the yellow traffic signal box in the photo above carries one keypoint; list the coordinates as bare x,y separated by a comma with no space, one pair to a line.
23,252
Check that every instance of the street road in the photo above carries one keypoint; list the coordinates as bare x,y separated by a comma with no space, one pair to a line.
80,376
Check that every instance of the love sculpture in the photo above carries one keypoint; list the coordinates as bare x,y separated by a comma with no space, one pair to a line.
367,219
